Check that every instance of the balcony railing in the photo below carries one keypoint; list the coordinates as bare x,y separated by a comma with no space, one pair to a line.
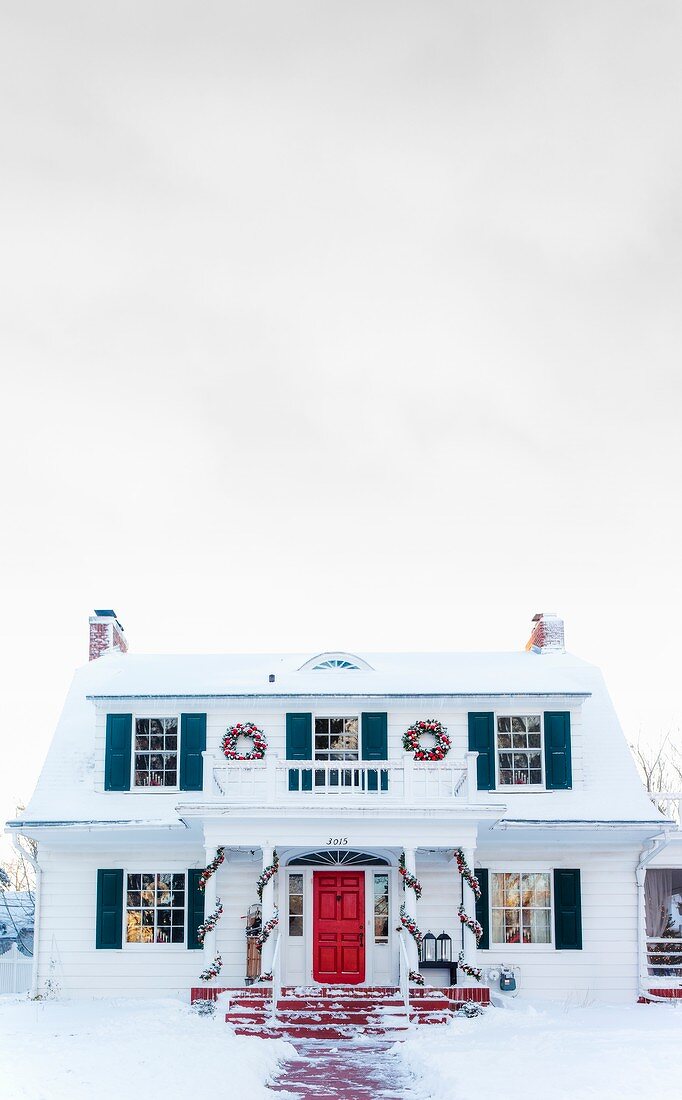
273,781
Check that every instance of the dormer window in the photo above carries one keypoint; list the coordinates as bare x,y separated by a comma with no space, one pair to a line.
333,662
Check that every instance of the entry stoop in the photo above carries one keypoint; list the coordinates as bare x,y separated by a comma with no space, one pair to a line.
340,1012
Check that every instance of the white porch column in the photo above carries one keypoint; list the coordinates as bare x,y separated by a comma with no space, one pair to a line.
410,900
268,911
210,893
469,938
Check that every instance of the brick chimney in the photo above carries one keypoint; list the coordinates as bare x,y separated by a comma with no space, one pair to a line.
106,634
547,635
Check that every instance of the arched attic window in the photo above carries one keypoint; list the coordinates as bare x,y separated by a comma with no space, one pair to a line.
335,662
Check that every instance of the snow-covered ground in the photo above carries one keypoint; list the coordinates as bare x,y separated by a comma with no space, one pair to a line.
159,1050
557,1053
77,1050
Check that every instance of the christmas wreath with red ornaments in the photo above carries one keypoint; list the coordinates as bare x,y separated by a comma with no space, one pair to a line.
244,729
412,740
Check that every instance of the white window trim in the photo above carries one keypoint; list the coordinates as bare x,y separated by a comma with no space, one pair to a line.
521,869
134,787
165,947
520,788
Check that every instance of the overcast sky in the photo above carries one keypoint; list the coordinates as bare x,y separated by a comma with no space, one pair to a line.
339,325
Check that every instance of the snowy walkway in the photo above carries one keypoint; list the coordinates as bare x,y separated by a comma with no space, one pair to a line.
328,1071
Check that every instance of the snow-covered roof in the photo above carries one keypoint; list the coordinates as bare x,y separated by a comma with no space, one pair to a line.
606,785
144,675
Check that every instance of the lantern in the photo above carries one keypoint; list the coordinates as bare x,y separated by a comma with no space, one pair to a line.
427,952
444,948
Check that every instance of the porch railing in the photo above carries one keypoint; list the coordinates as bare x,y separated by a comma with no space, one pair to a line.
404,973
664,958
276,975
268,781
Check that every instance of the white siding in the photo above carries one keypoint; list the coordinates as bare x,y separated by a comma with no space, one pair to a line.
66,941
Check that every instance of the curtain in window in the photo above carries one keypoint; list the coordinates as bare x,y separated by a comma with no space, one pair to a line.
658,888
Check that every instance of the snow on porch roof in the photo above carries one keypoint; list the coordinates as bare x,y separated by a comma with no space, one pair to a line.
129,675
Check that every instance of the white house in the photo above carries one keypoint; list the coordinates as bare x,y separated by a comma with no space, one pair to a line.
359,839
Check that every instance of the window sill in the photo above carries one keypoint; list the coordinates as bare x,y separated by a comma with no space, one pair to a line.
517,789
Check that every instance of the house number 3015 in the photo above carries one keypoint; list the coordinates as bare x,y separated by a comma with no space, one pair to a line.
337,841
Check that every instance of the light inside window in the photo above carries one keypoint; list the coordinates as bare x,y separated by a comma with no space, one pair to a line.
521,907
519,750
155,908
156,752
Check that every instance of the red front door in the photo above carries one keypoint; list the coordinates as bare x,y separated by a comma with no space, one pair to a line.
339,927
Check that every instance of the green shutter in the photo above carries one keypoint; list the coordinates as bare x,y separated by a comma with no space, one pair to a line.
195,908
482,741
300,747
558,750
483,908
568,930
192,744
109,926
374,734
117,752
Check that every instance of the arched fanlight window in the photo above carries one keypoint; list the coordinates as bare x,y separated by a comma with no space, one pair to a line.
332,662
338,857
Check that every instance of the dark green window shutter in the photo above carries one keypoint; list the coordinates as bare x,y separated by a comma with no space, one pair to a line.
109,927
374,734
300,747
558,750
568,928
482,741
192,744
117,752
483,907
195,908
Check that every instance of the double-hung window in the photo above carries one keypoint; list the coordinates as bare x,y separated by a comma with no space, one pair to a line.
156,752
519,750
336,739
521,907
155,908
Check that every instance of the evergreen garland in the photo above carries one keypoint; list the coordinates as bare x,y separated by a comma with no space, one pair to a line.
267,929
409,879
470,923
411,925
466,872
471,971
213,970
213,866
268,872
210,922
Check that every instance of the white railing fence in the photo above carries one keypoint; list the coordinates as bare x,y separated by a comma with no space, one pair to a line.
669,803
404,972
664,958
276,976
15,971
